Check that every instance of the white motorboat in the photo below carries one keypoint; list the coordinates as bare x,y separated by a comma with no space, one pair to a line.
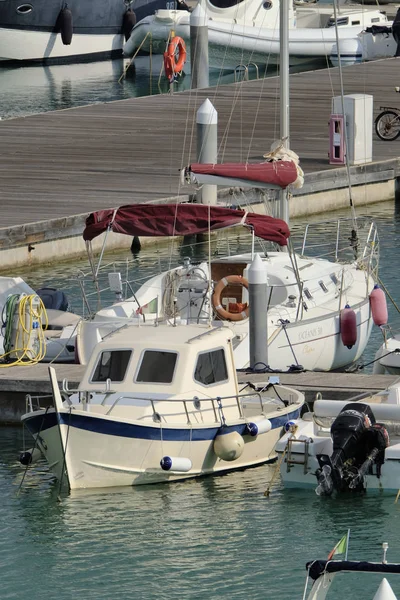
158,404
248,32
36,325
387,357
52,31
345,447
323,572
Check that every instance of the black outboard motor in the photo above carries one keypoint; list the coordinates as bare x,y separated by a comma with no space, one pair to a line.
358,443
396,31
53,299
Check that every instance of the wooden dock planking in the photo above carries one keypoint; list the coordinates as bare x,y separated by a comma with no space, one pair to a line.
16,382
74,161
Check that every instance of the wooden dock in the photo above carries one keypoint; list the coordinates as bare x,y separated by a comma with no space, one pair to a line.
17,382
63,163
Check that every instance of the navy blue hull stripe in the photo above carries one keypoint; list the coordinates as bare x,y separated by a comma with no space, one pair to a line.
127,430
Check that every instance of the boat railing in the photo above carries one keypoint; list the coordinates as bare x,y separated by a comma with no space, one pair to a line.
342,241
33,403
217,404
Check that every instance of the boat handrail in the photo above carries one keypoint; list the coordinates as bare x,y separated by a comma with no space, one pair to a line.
214,401
32,403
366,238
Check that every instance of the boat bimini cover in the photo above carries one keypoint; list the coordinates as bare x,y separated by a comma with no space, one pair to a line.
181,219
317,568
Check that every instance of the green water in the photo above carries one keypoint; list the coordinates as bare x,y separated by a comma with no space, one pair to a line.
216,537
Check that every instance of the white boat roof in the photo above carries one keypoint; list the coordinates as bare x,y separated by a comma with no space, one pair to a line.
167,336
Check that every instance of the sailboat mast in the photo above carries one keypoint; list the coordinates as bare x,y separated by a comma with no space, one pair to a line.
284,92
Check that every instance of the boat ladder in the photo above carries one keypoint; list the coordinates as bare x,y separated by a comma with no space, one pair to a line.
242,72
291,458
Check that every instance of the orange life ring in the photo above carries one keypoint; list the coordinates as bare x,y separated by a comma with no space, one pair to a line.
173,65
216,298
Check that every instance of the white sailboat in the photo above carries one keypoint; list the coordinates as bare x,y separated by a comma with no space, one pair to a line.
248,31
319,314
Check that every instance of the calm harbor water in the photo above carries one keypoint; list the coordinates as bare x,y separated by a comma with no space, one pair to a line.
216,537
34,89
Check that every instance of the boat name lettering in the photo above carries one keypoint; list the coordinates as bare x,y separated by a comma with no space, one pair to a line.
310,333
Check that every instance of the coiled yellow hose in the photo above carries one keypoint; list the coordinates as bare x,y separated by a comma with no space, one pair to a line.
30,306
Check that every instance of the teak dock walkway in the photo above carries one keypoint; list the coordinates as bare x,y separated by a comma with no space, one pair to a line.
16,382
61,164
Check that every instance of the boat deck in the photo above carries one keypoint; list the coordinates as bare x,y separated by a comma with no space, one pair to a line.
71,162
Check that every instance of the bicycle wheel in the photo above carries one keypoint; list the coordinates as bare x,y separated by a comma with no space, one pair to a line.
387,125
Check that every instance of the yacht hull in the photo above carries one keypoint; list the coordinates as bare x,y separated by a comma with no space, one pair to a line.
30,33
98,451
234,44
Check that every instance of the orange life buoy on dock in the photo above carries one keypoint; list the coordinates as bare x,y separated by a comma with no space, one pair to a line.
216,298
174,57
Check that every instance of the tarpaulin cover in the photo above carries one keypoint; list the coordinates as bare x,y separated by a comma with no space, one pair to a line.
181,219
277,172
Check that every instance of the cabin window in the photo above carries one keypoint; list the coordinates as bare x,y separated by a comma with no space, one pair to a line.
157,366
111,365
211,367
24,9
307,293
340,21
323,286
225,3
334,278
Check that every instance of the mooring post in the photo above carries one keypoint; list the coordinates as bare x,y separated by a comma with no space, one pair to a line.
199,48
207,147
258,318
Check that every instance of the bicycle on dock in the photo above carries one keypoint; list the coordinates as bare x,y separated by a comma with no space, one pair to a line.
387,123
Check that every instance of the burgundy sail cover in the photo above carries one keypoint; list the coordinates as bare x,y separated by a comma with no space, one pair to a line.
181,219
278,172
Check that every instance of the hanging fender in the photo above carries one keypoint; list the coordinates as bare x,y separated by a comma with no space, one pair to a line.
216,298
173,65
128,23
64,25
377,300
348,326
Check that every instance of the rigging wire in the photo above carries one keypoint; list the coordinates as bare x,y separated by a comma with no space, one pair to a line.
353,213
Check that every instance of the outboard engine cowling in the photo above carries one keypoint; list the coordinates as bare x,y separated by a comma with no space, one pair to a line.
396,31
358,443
53,299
